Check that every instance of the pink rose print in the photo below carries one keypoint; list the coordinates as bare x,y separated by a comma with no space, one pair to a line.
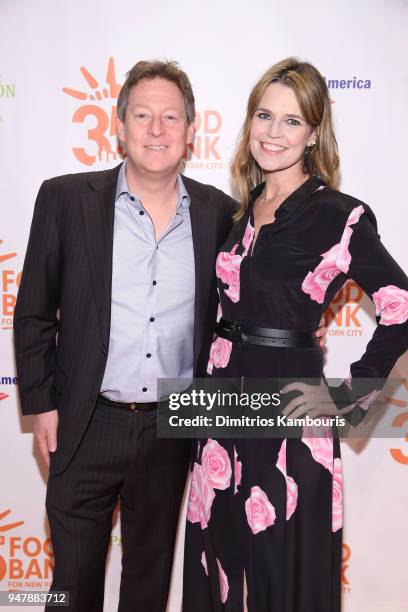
335,260
259,511
248,237
391,303
320,447
200,499
237,471
291,496
216,465
204,562
227,270
233,281
228,265
291,486
366,401
193,508
281,462
219,354
355,215
337,497
316,282
226,262
224,586
219,312
343,257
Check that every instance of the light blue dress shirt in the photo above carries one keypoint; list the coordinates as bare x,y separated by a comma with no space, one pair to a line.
153,287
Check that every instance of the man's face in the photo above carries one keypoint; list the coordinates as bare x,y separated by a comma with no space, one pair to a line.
155,131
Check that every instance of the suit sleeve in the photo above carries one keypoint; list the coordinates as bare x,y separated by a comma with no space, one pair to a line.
35,316
372,267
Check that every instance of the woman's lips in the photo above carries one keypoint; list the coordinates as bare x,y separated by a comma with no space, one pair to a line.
272,149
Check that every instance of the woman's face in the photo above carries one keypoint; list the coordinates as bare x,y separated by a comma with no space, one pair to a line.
279,134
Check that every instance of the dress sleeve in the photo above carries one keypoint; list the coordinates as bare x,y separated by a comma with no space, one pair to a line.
370,265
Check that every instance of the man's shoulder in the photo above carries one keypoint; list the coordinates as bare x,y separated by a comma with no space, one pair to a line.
208,193
78,180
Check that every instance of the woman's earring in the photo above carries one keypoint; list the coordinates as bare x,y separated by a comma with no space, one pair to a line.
310,148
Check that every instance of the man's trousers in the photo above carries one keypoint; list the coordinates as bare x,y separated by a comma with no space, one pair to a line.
120,457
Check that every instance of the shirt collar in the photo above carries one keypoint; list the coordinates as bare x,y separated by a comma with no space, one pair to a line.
295,199
122,187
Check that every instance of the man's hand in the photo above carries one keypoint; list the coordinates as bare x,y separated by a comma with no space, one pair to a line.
321,332
45,434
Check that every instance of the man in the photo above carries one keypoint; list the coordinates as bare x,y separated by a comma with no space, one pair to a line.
118,289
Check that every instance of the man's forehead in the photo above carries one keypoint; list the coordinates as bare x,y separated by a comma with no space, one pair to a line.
157,88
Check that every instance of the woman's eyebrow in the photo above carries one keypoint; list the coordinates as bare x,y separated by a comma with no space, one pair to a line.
266,110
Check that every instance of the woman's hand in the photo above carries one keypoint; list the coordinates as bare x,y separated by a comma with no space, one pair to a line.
314,400
321,332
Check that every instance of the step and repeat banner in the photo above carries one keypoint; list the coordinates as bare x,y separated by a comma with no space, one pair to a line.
61,68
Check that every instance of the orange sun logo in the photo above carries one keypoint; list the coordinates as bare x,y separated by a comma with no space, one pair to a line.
9,525
99,105
6,256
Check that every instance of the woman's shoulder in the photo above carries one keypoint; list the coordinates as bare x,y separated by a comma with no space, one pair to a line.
334,205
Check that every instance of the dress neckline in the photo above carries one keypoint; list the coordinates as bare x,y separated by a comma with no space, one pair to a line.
292,202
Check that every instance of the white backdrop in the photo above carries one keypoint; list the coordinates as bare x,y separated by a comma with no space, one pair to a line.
56,101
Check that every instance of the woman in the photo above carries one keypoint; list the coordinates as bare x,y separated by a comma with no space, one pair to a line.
264,516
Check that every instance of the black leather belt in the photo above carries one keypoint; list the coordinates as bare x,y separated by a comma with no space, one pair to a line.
266,336
133,406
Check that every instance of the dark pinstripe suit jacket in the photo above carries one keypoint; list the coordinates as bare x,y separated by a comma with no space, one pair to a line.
62,315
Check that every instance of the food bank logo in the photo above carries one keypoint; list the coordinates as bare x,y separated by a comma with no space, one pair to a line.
98,113
205,152
343,313
345,563
10,282
25,562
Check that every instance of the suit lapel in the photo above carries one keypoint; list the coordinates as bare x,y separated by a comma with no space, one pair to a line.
98,208
203,225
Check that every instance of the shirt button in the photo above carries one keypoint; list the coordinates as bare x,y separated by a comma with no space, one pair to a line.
151,319
141,212
144,389
154,282
131,198
148,355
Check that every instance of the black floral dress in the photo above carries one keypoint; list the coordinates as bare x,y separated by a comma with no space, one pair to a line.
264,518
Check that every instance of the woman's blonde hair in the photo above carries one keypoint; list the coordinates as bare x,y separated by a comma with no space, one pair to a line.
313,97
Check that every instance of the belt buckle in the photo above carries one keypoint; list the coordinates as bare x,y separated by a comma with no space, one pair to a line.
238,334
133,406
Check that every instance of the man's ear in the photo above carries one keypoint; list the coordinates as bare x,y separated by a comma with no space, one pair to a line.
120,130
191,130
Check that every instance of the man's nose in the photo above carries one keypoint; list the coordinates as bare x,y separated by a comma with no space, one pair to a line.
156,126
